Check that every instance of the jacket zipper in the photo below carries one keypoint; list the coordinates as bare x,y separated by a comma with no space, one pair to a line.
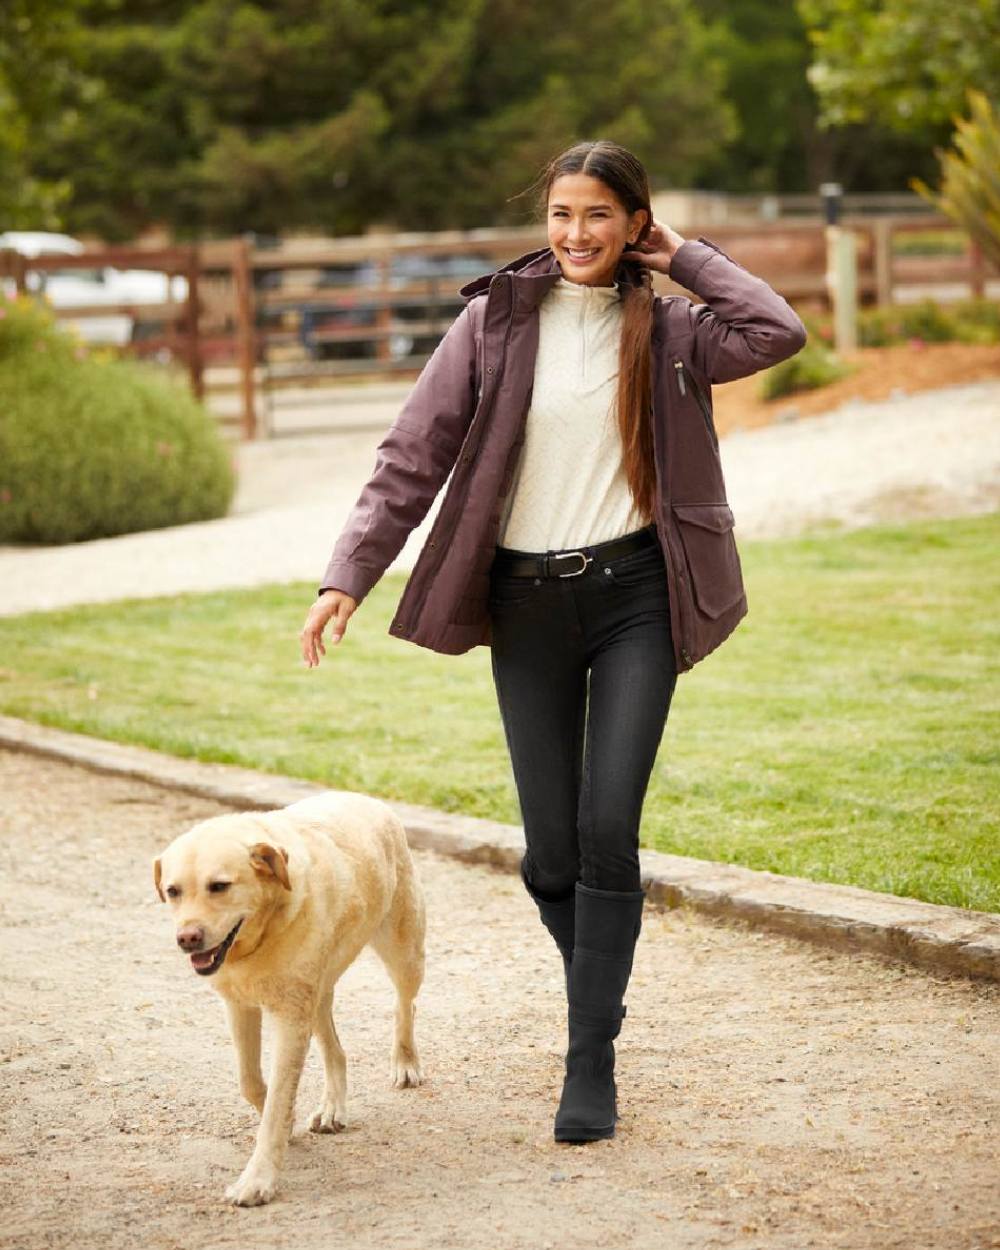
680,572
679,373
432,537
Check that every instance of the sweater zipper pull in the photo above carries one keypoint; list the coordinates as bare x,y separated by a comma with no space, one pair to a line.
679,368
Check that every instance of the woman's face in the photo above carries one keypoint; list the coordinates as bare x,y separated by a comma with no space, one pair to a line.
589,228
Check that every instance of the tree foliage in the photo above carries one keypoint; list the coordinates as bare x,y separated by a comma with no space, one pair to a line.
223,115
903,63
220,116
970,183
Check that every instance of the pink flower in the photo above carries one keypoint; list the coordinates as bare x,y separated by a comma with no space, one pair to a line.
5,495
165,449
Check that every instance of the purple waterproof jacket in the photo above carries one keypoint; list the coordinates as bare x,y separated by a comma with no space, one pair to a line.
466,414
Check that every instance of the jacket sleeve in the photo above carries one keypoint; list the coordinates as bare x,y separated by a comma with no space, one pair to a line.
744,325
412,462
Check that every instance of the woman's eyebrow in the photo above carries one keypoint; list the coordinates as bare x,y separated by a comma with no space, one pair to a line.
589,206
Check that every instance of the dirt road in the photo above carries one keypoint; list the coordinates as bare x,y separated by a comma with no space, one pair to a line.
773,1094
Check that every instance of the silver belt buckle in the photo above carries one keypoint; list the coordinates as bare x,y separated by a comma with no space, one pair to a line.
562,555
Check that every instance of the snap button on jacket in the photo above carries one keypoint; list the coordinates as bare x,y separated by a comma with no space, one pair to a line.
465,416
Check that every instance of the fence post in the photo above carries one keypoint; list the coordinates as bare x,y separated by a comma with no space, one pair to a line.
883,261
193,319
243,284
842,281
383,316
977,270
841,270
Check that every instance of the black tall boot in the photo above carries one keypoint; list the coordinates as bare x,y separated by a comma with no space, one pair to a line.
559,917
607,926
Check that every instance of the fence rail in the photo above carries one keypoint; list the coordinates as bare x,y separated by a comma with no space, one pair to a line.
313,310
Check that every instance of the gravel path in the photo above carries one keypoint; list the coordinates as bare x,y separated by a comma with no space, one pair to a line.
774,1095
934,453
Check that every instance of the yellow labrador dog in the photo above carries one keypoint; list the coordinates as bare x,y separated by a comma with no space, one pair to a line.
274,906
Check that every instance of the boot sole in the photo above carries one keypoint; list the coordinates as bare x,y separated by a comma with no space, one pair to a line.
584,1134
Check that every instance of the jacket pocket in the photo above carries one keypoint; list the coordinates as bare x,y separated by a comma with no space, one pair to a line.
706,531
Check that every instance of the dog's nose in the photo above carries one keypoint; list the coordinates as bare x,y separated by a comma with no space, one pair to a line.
190,937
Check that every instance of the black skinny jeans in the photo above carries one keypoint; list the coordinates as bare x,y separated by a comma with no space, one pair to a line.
582,761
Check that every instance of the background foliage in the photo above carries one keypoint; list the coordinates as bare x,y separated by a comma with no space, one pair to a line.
92,447
215,116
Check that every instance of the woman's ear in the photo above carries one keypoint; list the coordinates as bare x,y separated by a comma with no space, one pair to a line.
638,227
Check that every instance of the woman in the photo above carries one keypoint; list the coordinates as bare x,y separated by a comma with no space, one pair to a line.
585,537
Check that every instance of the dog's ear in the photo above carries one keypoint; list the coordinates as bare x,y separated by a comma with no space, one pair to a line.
157,874
271,861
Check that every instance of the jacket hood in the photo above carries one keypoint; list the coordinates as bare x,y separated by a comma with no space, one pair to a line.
540,269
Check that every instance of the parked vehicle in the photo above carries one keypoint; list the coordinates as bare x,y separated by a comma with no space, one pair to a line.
102,286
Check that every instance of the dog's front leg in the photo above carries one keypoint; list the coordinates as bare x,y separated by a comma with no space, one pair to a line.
257,1183
244,1024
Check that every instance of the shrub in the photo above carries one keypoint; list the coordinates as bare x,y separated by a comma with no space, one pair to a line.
927,321
89,449
978,321
813,366
970,189
27,326
970,321
878,327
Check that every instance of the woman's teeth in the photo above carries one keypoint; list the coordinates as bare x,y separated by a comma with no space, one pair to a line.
574,254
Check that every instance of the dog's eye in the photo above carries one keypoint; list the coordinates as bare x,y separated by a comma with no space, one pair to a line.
218,887
172,891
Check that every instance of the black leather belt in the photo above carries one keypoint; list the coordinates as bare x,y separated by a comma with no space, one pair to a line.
574,560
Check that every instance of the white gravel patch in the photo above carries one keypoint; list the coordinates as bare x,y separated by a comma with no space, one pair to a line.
934,453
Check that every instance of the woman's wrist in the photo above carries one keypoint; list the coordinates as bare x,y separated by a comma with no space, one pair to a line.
674,243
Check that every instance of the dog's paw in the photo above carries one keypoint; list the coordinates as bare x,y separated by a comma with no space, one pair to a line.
253,1188
404,1069
328,1120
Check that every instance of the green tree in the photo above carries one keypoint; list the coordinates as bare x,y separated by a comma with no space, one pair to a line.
221,115
38,58
782,145
903,63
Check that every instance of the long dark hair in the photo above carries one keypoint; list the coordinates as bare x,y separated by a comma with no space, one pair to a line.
623,174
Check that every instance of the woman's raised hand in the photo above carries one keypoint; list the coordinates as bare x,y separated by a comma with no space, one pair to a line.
335,605
658,247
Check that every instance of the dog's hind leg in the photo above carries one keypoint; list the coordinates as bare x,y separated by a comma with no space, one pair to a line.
244,1025
399,943
331,1115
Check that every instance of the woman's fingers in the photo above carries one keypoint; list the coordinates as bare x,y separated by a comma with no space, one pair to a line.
332,606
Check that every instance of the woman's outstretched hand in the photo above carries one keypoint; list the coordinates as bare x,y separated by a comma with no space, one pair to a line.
335,605
658,247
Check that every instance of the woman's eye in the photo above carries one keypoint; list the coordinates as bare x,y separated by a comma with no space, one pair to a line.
218,887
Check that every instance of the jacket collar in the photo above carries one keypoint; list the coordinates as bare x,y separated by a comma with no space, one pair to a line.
535,273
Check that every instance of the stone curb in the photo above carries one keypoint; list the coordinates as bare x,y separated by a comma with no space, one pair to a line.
944,939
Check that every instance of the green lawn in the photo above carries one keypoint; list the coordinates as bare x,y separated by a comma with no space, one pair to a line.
846,732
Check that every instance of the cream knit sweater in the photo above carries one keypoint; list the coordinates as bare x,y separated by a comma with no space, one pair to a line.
568,487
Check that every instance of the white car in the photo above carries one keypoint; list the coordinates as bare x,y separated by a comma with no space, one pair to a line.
89,288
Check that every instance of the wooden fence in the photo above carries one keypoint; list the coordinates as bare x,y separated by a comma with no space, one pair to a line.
375,306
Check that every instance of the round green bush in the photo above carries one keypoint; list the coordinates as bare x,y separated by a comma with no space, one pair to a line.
813,366
91,448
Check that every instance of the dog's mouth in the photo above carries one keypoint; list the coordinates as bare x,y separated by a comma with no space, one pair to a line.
207,962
